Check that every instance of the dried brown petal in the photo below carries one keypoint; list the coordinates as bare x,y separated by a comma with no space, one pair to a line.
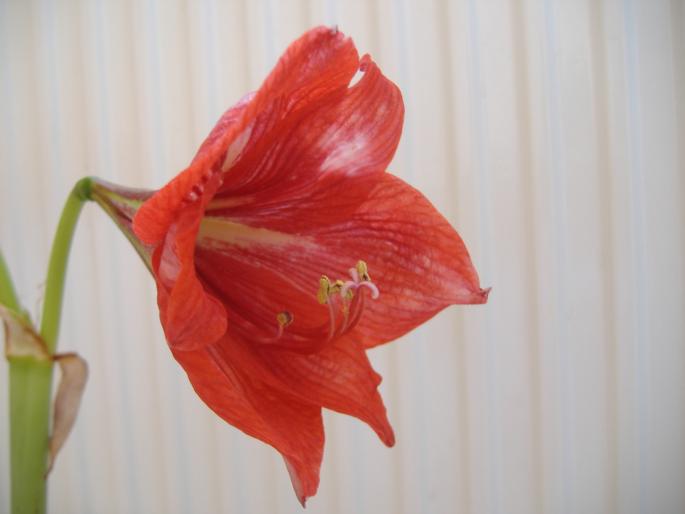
21,340
72,383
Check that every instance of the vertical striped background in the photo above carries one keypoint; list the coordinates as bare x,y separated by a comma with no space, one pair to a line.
550,132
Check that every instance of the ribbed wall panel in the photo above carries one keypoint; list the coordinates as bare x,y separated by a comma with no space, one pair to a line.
550,132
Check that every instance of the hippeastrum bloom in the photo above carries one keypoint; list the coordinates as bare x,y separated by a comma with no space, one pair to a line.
285,250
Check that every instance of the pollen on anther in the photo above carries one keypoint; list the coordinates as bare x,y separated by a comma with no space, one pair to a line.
284,318
324,290
363,270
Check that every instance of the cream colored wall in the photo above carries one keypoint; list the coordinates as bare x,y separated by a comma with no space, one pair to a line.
551,133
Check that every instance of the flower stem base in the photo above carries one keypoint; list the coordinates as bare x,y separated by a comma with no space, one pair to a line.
30,383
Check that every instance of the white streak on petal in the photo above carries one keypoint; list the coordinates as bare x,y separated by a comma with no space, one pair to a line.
218,232
236,148
345,153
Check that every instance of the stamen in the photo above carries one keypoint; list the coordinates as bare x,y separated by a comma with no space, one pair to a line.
360,278
331,322
353,314
348,288
345,307
363,271
351,305
324,290
284,318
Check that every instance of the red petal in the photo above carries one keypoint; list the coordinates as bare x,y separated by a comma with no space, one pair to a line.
190,317
418,261
273,264
223,126
291,426
339,377
320,62
301,157
309,168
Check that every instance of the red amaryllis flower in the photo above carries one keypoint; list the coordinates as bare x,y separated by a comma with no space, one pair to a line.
284,251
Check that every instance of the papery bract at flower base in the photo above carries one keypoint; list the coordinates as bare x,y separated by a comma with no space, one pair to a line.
284,251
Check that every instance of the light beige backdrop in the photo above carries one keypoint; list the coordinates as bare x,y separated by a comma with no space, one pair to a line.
550,132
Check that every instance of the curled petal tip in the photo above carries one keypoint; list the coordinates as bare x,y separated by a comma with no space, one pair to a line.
389,439
484,293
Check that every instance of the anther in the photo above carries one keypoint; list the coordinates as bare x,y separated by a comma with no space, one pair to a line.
324,290
360,278
327,289
284,318
363,271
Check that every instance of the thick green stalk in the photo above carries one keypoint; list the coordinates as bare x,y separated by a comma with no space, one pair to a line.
30,384
31,380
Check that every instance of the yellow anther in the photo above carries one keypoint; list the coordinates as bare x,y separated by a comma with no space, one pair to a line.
284,318
363,271
345,310
328,288
324,290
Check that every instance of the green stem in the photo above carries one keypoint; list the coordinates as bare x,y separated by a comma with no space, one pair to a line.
54,286
31,380
30,383
8,296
